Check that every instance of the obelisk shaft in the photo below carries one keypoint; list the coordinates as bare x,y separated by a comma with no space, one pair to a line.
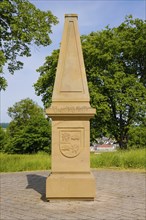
70,112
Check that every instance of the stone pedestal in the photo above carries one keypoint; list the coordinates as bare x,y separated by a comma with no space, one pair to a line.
79,186
70,112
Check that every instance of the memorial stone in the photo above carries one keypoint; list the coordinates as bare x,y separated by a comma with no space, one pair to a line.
70,112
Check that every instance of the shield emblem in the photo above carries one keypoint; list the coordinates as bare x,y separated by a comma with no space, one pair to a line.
70,143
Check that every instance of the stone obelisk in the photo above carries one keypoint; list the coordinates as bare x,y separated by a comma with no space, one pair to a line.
70,111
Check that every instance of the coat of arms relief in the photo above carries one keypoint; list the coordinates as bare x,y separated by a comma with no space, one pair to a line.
71,142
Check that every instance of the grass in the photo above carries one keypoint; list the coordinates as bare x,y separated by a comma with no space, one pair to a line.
132,159
17,162
135,159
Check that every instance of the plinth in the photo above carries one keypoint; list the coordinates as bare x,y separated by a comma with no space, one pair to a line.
70,111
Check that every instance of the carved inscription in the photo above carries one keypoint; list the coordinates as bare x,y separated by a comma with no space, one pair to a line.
71,109
70,143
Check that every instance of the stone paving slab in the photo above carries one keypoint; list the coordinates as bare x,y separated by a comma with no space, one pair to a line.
120,196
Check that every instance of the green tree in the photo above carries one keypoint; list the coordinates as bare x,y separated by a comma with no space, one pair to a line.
45,83
21,25
137,135
2,138
29,131
115,61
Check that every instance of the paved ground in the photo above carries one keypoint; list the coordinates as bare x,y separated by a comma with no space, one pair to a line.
120,196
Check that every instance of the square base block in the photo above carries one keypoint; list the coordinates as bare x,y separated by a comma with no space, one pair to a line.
70,186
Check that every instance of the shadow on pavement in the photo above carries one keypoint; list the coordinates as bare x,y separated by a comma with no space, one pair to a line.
38,183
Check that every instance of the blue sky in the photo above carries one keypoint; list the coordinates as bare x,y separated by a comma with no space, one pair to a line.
93,15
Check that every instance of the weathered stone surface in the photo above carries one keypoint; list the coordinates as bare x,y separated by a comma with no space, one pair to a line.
70,83
70,112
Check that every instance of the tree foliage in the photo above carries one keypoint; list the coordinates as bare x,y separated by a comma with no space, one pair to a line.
29,131
21,25
115,61
45,83
2,138
137,137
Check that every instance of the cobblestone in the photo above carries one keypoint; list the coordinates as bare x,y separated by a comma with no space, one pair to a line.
121,195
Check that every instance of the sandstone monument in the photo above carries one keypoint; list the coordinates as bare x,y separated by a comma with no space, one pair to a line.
70,112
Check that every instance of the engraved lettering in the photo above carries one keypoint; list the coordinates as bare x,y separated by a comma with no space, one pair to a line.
71,109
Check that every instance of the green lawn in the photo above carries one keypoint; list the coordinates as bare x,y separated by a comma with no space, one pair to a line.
23,162
133,159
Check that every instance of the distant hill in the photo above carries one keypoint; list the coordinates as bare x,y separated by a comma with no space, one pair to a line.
4,125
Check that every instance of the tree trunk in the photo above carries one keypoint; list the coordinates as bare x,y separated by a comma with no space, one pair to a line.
123,141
